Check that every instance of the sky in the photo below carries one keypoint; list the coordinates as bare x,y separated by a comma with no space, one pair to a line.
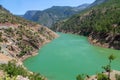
19,7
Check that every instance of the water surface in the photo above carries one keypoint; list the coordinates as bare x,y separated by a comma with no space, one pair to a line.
69,55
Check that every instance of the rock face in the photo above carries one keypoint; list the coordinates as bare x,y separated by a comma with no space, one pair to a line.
19,37
107,40
51,15
100,23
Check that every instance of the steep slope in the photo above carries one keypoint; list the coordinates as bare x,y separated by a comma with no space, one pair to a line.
51,15
101,24
19,37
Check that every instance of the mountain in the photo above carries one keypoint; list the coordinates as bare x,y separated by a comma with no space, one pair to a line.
101,23
29,14
20,39
81,7
51,15
20,33
97,2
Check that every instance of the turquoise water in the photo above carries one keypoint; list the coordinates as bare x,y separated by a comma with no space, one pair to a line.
69,55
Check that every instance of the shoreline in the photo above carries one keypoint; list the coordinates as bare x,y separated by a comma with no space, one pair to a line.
22,59
95,43
34,53
112,75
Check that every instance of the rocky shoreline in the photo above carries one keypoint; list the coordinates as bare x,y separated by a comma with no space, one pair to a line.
112,75
106,40
96,43
33,53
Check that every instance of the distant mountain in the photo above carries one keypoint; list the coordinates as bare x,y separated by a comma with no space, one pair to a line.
81,7
51,15
101,23
97,2
29,14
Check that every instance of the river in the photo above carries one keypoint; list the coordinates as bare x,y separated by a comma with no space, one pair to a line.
69,55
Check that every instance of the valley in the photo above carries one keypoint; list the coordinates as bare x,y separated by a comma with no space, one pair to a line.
69,55
100,23
61,42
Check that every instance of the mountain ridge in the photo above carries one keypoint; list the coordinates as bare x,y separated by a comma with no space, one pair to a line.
51,15
100,23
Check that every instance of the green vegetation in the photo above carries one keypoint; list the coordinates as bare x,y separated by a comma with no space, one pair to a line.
22,34
7,17
26,38
0,48
108,67
117,77
80,77
25,50
1,40
104,17
9,32
102,76
101,22
12,71
19,37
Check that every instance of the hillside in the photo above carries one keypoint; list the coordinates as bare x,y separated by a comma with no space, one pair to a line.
100,23
97,2
20,39
51,15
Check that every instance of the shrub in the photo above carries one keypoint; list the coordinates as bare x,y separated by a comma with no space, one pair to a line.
12,71
80,77
101,76
117,77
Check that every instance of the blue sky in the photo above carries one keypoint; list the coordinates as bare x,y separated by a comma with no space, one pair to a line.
21,6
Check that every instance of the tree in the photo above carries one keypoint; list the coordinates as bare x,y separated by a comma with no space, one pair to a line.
108,67
111,57
80,77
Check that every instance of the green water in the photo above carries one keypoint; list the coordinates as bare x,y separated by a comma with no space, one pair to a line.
69,55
